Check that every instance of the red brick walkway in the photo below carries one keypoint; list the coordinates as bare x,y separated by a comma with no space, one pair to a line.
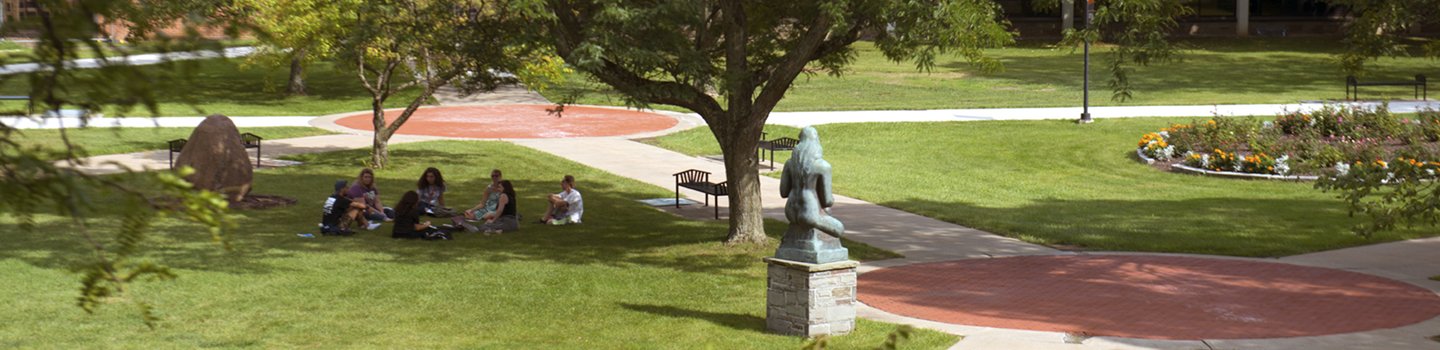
519,121
1146,296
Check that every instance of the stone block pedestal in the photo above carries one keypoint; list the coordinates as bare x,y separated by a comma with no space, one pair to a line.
810,299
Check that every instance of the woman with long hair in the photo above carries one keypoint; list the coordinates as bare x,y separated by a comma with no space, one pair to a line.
407,220
507,221
364,190
431,188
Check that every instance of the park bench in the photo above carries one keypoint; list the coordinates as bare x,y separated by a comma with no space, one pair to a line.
700,181
250,140
1352,84
780,144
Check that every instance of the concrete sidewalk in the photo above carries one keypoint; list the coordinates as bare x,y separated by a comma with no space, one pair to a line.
274,149
919,238
976,114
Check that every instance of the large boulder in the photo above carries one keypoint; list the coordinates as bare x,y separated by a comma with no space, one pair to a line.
218,156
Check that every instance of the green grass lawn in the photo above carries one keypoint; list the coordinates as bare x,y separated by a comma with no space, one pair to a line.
231,88
1054,182
101,141
1215,71
630,277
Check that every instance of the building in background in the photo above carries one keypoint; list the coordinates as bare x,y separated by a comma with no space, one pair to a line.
15,10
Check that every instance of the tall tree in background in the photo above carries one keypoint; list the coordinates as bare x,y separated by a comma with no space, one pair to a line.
395,45
1138,31
296,31
1385,28
34,186
731,61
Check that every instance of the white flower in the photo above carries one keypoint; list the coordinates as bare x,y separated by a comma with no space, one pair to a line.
1205,161
1341,168
1168,151
1267,124
1165,134
1281,167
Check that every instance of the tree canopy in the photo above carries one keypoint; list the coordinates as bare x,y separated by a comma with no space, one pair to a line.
732,61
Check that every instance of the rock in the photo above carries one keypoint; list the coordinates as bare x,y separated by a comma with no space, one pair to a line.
218,156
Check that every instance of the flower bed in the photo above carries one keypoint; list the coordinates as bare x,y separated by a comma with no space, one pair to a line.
1297,145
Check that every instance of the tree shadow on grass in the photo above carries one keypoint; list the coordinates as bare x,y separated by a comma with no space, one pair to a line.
617,231
741,322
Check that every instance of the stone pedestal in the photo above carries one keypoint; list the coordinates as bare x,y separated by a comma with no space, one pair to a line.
810,299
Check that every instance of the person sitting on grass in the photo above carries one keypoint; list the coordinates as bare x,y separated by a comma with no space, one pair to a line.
340,212
431,187
506,220
487,208
565,207
364,190
407,220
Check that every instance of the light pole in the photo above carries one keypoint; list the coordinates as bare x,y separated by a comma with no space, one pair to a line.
1089,17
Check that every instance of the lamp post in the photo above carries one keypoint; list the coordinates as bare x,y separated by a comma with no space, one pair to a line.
1089,17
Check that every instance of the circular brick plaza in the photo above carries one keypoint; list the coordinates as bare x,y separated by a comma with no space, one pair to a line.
519,121
1148,296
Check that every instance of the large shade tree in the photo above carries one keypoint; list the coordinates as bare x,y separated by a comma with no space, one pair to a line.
731,61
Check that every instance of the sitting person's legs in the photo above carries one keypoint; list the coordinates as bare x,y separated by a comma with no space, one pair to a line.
502,224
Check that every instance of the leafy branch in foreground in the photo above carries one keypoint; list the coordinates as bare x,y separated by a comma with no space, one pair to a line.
1402,191
32,184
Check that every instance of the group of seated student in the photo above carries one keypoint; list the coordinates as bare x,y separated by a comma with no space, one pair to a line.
494,214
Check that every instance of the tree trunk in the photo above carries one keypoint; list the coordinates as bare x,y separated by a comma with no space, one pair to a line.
747,224
297,73
380,151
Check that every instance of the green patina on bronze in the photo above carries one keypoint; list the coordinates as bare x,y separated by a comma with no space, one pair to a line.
806,184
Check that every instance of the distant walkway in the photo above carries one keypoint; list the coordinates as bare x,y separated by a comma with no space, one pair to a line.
134,60
274,149
946,115
514,95
147,122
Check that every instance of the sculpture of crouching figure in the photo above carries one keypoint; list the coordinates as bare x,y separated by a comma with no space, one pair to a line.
806,184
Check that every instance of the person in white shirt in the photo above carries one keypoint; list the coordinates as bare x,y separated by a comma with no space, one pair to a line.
567,206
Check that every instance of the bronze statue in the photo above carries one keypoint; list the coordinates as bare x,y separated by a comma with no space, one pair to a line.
805,182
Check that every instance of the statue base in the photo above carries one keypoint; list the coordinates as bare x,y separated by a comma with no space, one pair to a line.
812,247
810,299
